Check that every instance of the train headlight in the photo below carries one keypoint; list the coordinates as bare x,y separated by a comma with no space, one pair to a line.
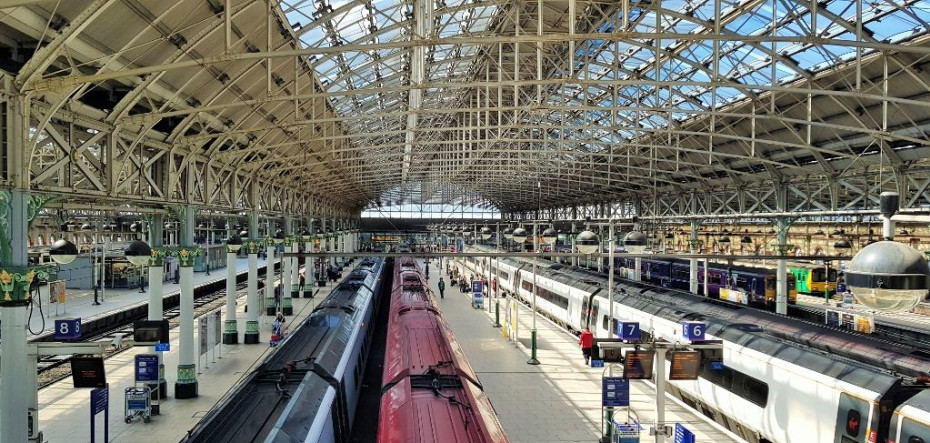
888,276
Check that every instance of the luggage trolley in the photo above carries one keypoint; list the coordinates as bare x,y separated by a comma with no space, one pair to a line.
138,404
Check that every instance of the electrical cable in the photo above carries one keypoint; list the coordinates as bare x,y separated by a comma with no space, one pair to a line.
33,301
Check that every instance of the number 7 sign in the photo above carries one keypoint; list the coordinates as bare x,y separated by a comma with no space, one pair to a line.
629,330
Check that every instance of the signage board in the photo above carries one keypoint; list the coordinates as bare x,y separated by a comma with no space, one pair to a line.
146,367
716,365
693,330
638,364
682,434
629,330
217,327
684,365
163,347
597,363
150,331
99,400
69,329
88,372
615,391
477,286
202,323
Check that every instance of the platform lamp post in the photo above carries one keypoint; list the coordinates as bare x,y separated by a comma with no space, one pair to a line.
485,234
519,236
587,242
231,327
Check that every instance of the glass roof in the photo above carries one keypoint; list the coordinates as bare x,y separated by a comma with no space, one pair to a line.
695,73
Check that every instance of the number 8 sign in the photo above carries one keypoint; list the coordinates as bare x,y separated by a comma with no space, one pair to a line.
68,329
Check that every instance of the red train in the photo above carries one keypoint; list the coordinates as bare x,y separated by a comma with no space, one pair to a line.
430,392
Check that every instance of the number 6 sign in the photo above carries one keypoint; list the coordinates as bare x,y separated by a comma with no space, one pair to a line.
693,330
68,329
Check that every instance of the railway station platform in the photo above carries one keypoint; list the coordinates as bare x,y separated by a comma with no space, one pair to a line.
558,400
64,412
919,317
80,302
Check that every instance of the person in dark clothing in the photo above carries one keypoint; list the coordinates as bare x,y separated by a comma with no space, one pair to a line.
442,288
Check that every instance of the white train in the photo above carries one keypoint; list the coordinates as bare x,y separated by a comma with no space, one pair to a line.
784,380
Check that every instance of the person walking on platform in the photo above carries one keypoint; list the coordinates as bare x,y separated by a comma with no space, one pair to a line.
586,341
442,288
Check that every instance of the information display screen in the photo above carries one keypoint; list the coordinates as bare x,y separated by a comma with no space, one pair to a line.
638,364
88,372
685,365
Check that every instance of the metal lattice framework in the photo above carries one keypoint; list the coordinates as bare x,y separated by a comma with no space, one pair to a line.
311,106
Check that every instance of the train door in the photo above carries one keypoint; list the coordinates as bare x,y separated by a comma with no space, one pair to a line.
648,272
854,420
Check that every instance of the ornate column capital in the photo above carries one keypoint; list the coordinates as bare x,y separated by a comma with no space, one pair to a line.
15,284
157,257
186,255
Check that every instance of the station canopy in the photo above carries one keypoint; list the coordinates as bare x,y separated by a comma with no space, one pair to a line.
566,101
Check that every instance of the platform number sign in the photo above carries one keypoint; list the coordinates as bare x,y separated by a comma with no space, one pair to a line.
68,329
693,330
629,330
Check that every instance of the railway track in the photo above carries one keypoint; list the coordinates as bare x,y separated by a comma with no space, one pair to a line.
52,368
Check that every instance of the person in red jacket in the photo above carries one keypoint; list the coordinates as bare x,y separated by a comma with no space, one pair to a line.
586,341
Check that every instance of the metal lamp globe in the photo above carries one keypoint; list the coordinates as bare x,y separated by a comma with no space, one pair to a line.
587,242
508,233
888,276
550,235
63,252
635,242
138,252
234,243
519,235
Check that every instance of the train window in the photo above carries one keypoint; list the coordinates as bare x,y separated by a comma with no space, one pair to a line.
770,283
604,323
715,279
749,388
914,432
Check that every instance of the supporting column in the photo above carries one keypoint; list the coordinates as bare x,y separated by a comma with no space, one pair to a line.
574,234
186,386
270,306
157,311
309,277
293,288
251,318
693,245
231,327
15,281
781,274
286,275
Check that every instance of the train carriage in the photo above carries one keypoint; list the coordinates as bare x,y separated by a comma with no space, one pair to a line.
430,392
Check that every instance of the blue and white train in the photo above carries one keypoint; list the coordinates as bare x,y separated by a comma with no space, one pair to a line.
784,380
308,389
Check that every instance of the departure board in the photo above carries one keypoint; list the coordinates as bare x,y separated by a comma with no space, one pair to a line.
638,364
685,365
88,372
